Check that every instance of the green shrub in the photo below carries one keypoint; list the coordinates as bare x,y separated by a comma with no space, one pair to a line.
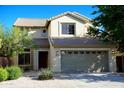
14,72
3,74
45,74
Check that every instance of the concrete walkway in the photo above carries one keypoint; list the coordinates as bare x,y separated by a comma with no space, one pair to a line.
82,80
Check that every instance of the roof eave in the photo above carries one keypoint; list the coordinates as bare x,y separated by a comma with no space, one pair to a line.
30,26
72,14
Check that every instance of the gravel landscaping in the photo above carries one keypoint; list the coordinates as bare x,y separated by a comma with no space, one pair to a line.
82,80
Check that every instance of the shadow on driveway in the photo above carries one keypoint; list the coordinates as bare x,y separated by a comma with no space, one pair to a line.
87,77
90,77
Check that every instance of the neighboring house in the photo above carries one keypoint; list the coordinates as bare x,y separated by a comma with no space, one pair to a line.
62,44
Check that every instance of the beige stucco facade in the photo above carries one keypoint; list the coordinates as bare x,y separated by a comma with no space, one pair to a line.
39,33
54,58
54,54
81,31
55,27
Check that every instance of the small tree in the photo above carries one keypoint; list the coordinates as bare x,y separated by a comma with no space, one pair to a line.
13,42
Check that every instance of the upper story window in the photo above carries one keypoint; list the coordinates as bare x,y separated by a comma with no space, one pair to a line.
22,28
27,28
35,28
68,28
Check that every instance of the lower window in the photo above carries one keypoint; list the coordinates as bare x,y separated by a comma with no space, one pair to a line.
24,59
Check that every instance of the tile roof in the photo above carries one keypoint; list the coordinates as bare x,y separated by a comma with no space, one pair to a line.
41,42
30,22
79,42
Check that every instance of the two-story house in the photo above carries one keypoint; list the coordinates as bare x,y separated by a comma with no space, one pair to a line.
62,44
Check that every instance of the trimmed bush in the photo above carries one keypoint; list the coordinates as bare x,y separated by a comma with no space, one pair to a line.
14,72
45,74
3,74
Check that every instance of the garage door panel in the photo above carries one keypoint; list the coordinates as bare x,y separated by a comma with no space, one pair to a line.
84,62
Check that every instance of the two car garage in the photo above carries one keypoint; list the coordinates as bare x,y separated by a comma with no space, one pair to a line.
84,61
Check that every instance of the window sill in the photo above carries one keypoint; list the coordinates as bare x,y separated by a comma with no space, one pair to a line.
67,35
25,65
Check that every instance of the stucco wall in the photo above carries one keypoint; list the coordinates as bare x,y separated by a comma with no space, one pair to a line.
55,61
38,33
55,26
113,67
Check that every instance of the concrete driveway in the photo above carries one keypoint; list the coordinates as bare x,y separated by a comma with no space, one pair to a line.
82,80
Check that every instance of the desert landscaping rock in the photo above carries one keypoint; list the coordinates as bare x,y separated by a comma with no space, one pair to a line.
82,80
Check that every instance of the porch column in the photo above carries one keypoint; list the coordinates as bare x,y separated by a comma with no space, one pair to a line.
35,62
55,59
112,62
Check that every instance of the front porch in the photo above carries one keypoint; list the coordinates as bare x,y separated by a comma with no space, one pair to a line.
35,59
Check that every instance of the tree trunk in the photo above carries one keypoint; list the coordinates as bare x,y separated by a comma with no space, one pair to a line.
4,62
10,59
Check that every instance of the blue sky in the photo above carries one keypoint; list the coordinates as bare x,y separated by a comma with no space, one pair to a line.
9,13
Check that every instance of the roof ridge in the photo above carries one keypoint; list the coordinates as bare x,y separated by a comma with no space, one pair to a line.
69,12
30,22
60,14
34,18
82,15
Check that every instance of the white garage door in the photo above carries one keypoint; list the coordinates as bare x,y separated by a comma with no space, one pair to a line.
84,61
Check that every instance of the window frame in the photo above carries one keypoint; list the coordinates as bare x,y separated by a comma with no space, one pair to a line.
68,24
21,28
25,52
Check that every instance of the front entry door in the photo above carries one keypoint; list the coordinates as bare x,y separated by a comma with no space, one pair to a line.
120,63
43,59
